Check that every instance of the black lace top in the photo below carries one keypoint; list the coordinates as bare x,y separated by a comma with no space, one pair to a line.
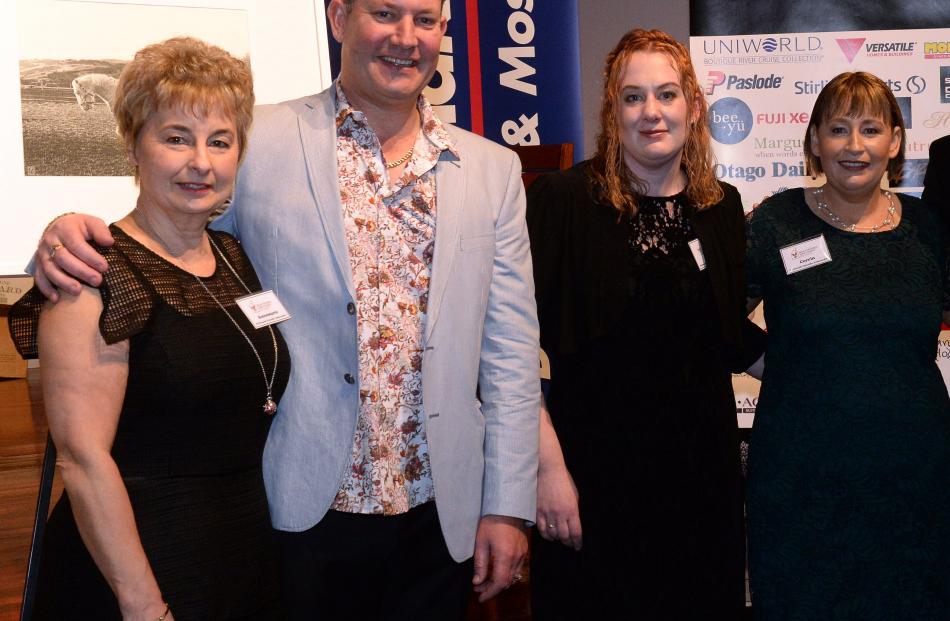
660,225
137,281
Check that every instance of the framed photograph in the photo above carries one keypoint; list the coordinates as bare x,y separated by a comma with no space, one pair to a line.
59,60
70,58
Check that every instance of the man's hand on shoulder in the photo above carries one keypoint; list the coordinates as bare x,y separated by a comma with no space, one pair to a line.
501,545
64,257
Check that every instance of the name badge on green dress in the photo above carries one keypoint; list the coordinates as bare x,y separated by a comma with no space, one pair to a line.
805,254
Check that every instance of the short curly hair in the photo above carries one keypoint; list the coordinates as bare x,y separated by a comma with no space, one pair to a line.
186,73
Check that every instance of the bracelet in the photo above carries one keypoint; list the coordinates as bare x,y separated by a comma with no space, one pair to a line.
167,609
51,222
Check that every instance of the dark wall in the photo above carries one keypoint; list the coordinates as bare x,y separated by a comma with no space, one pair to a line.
736,17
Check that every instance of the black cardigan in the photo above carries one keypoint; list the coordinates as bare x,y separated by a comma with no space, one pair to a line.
580,263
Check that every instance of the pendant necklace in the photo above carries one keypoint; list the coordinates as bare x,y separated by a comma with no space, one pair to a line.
270,406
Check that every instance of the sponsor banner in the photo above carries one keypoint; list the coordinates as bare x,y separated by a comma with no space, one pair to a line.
509,71
943,355
761,90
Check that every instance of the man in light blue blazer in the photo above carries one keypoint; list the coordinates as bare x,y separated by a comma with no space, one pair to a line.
480,335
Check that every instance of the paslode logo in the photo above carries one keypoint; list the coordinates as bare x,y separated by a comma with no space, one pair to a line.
733,82
936,49
850,47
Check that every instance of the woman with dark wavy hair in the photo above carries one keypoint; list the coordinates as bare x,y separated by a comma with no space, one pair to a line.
638,263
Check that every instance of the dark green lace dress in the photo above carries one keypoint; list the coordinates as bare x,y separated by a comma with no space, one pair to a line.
849,474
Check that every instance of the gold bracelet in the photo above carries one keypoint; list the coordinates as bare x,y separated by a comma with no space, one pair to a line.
167,609
51,222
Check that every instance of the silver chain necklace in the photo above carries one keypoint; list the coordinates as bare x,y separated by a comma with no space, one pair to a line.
853,227
270,406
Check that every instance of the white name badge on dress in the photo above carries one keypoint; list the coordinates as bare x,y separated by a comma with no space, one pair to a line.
805,254
263,308
697,249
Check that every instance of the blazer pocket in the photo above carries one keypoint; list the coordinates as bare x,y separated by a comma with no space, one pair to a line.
477,242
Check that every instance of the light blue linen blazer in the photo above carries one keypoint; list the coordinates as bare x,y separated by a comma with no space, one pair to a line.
481,326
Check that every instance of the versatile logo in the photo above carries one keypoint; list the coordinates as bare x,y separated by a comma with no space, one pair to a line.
937,49
730,120
850,47
733,82
891,48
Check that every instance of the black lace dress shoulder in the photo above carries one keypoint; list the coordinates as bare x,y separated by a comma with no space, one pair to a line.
188,444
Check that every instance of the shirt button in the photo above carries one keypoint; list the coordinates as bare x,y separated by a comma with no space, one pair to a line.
351,308
349,378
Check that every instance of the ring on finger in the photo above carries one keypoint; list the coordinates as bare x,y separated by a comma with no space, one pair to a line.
53,249
552,525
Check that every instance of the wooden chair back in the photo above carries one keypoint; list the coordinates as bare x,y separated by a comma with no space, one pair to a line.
543,158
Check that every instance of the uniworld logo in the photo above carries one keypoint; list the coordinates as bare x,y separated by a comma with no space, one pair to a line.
769,44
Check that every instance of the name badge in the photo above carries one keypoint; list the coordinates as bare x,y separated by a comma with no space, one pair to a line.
805,254
262,308
697,250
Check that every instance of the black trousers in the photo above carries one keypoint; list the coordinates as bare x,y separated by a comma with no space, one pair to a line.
379,568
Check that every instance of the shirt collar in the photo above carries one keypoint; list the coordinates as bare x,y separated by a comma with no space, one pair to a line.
432,127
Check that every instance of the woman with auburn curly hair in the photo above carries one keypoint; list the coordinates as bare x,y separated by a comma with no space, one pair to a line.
638,256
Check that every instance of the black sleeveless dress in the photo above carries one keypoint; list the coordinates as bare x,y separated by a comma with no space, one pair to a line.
188,444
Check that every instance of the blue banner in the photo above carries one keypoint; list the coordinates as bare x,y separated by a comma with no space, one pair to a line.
509,71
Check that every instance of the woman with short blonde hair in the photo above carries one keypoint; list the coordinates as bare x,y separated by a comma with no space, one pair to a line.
159,391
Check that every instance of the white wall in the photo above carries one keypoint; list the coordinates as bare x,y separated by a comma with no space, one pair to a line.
288,57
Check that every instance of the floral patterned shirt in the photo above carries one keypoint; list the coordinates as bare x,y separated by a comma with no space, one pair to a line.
390,234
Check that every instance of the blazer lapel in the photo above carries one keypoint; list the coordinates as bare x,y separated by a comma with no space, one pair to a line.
450,192
318,137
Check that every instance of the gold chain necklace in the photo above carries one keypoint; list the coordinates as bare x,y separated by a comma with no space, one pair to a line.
402,160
